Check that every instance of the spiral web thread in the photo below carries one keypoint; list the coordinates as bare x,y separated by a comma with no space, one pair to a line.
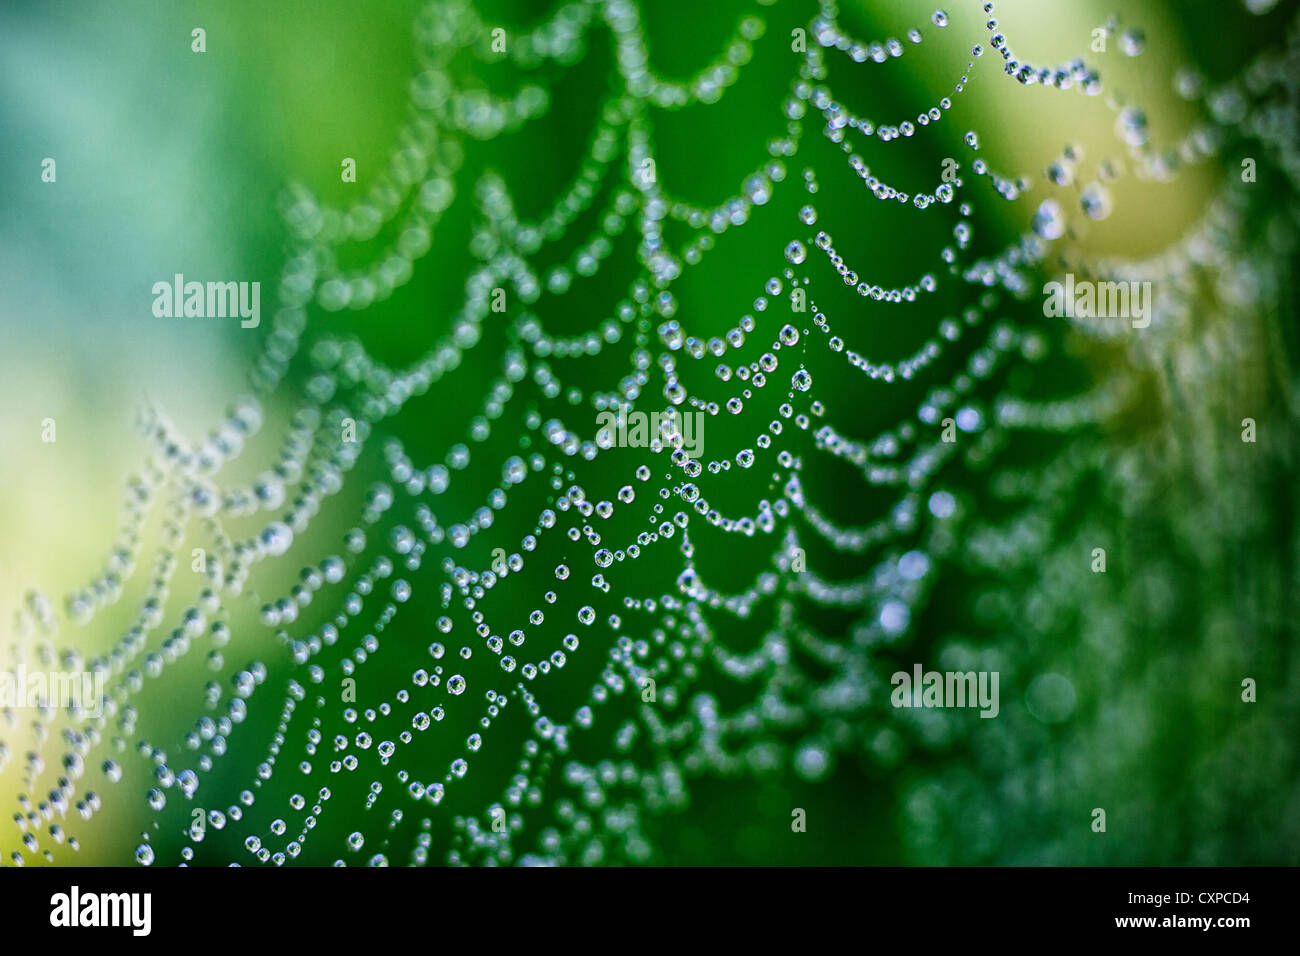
583,776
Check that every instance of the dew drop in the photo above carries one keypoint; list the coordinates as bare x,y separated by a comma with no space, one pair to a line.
1095,202
1132,42
1049,221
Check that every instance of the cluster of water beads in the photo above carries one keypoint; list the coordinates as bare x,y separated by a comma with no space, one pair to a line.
943,193
907,293
840,117
1073,75
826,30
1008,189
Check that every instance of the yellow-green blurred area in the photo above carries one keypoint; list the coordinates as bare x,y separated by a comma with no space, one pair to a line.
171,161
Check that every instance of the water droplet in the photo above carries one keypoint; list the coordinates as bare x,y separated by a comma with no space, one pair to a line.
1131,126
276,538
1095,202
1049,221
812,762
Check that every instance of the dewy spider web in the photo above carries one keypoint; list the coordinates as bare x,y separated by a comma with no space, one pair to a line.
687,677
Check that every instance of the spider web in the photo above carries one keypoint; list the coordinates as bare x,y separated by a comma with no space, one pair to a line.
594,628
